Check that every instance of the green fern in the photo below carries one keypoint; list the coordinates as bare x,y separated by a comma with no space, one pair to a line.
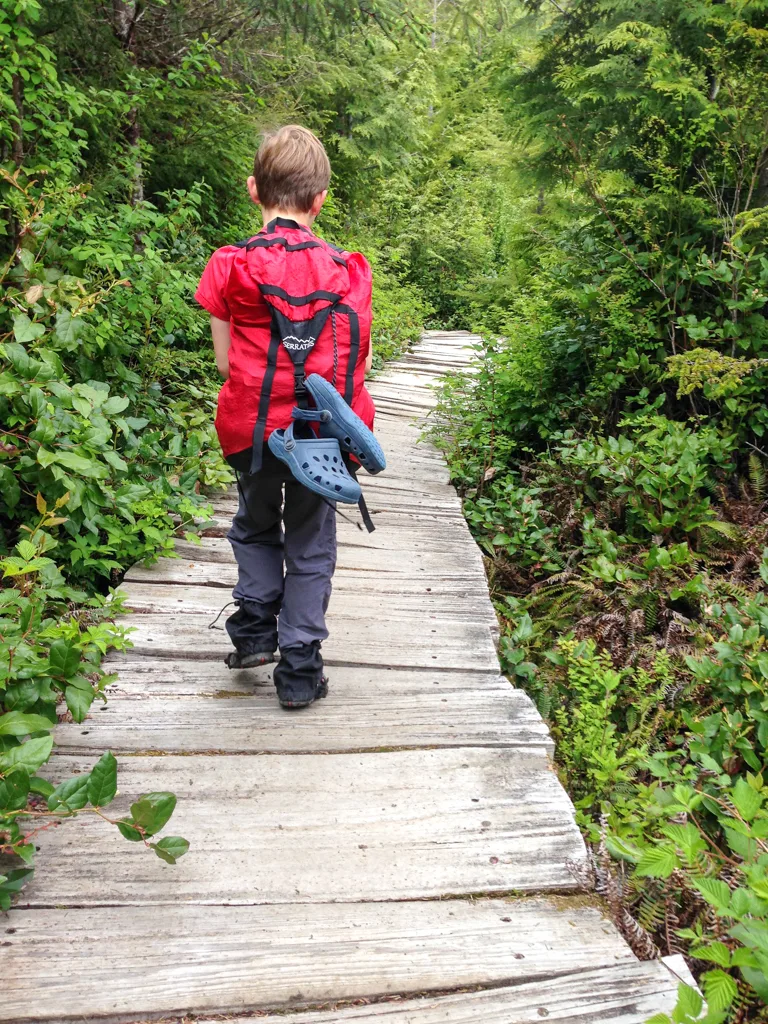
757,476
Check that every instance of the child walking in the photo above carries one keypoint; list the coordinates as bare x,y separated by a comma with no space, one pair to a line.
281,292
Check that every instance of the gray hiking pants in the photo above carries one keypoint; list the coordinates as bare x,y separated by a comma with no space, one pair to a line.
285,547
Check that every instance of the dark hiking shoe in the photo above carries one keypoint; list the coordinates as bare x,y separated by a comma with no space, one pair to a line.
237,659
253,631
292,704
298,676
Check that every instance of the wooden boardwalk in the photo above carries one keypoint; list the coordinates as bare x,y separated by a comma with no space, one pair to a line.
400,851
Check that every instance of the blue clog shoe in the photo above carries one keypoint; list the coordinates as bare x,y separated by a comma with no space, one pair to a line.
317,463
345,425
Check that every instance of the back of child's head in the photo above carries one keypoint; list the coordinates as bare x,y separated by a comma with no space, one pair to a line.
291,168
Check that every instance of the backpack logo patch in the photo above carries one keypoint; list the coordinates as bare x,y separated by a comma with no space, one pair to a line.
294,344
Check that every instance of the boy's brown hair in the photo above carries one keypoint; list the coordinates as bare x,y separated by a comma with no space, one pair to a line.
290,168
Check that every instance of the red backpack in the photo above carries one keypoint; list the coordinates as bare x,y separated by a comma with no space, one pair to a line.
297,305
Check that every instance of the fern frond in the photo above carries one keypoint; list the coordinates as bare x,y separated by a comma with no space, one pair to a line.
756,475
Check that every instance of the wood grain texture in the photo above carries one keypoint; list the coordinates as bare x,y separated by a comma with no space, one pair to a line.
126,963
628,993
342,827
352,598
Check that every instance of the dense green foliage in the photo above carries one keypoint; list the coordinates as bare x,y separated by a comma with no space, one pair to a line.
611,452
585,184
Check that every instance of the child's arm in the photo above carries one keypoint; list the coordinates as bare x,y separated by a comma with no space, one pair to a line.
369,358
221,342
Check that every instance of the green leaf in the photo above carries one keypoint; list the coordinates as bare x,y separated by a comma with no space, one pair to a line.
78,701
12,883
757,979
622,849
115,461
170,848
126,829
116,404
746,800
9,487
658,862
29,756
15,723
152,811
64,658
72,793
689,1002
45,458
41,786
85,467
102,785
14,791
24,330
714,892
714,952
719,990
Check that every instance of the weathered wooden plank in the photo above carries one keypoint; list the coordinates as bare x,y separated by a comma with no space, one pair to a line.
174,571
301,828
448,539
627,993
156,706
347,603
125,963
199,570
367,640
157,676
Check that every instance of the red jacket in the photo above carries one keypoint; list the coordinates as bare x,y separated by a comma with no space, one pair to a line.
292,263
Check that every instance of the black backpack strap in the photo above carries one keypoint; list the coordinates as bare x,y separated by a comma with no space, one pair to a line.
354,350
365,514
266,391
298,338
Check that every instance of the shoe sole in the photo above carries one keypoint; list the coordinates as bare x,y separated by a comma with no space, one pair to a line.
369,453
252,661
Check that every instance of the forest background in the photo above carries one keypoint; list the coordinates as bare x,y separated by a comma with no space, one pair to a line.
585,183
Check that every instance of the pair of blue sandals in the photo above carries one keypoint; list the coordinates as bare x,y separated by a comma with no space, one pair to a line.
316,460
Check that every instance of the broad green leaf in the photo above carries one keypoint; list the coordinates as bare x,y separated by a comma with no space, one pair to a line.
85,467
29,756
689,1001
72,793
15,723
622,849
714,952
64,658
14,791
719,990
116,404
152,811
102,785
170,848
126,829
658,862
45,458
115,461
79,701
9,487
714,892
41,786
24,330
746,800
757,979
